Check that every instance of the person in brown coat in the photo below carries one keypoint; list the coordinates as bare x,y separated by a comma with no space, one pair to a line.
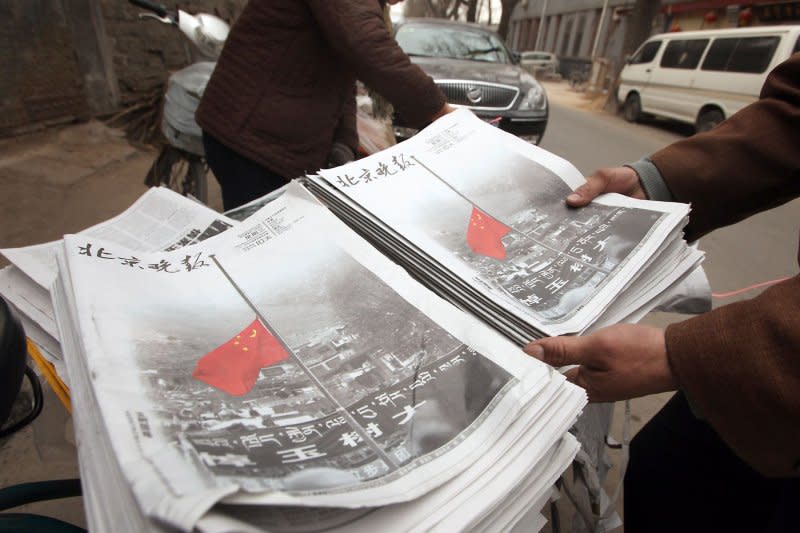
281,100
724,453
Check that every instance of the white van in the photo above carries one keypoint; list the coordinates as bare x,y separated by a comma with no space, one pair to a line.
703,77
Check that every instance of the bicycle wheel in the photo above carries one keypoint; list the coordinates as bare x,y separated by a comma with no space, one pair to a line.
181,171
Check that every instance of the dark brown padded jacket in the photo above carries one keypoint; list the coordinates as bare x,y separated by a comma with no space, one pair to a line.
740,364
283,90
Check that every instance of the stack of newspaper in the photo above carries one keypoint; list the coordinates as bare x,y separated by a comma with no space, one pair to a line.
478,215
159,220
285,375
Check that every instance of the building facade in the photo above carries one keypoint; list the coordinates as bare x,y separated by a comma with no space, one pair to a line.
718,14
582,30
570,28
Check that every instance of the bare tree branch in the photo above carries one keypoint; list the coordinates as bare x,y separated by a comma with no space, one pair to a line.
472,10
434,8
505,16
454,9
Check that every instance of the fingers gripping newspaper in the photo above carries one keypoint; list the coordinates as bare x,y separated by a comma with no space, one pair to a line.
287,362
481,215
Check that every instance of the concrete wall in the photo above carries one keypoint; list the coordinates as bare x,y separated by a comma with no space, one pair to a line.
571,28
570,25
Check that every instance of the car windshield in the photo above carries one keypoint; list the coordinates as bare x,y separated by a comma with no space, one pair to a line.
456,43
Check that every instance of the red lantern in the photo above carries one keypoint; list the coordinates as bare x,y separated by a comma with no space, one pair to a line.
710,17
745,17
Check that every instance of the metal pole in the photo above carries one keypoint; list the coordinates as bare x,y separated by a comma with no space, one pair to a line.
541,25
354,424
524,235
599,29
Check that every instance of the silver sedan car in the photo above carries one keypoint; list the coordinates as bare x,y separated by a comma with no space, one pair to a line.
539,63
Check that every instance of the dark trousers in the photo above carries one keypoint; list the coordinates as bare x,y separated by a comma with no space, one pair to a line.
241,179
683,478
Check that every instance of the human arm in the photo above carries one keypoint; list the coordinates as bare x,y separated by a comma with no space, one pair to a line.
355,31
738,364
621,180
615,363
445,109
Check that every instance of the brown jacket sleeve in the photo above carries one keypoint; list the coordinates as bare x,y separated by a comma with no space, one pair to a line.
740,367
740,364
356,31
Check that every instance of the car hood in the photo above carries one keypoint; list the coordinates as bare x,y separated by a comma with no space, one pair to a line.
463,69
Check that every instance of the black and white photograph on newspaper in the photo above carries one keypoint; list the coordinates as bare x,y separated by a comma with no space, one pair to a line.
285,365
549,257
501,224
358,383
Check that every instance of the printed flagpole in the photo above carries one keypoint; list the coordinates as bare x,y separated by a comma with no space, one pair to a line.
512,229
339,407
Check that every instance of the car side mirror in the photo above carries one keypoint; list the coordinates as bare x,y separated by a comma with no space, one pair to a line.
628,59
516,57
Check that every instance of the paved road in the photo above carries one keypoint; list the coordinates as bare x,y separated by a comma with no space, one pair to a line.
591,140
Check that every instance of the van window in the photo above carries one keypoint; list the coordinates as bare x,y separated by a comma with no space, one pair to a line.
796,46
646,53
719,54
741,54
683,53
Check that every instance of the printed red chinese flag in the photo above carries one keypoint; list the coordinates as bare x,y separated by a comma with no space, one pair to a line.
234,366
485,235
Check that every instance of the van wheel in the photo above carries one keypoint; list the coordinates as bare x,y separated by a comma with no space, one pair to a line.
708,120
632,109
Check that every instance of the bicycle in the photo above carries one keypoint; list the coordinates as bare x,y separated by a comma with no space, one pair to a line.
579,78
181,163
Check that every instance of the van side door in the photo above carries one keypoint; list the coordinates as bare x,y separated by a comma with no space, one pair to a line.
671,84
635,77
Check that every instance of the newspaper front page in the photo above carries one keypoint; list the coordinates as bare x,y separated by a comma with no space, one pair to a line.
500,223
286,362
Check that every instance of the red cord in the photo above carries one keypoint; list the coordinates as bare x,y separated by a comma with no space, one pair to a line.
745,289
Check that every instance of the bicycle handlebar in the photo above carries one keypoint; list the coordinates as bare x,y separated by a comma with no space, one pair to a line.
158,9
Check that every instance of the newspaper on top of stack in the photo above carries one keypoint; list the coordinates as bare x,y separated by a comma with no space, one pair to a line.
479,216
285,375
159,220
164,435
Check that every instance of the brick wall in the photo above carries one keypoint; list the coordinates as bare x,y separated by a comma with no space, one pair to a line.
41,81
144,51
62,60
